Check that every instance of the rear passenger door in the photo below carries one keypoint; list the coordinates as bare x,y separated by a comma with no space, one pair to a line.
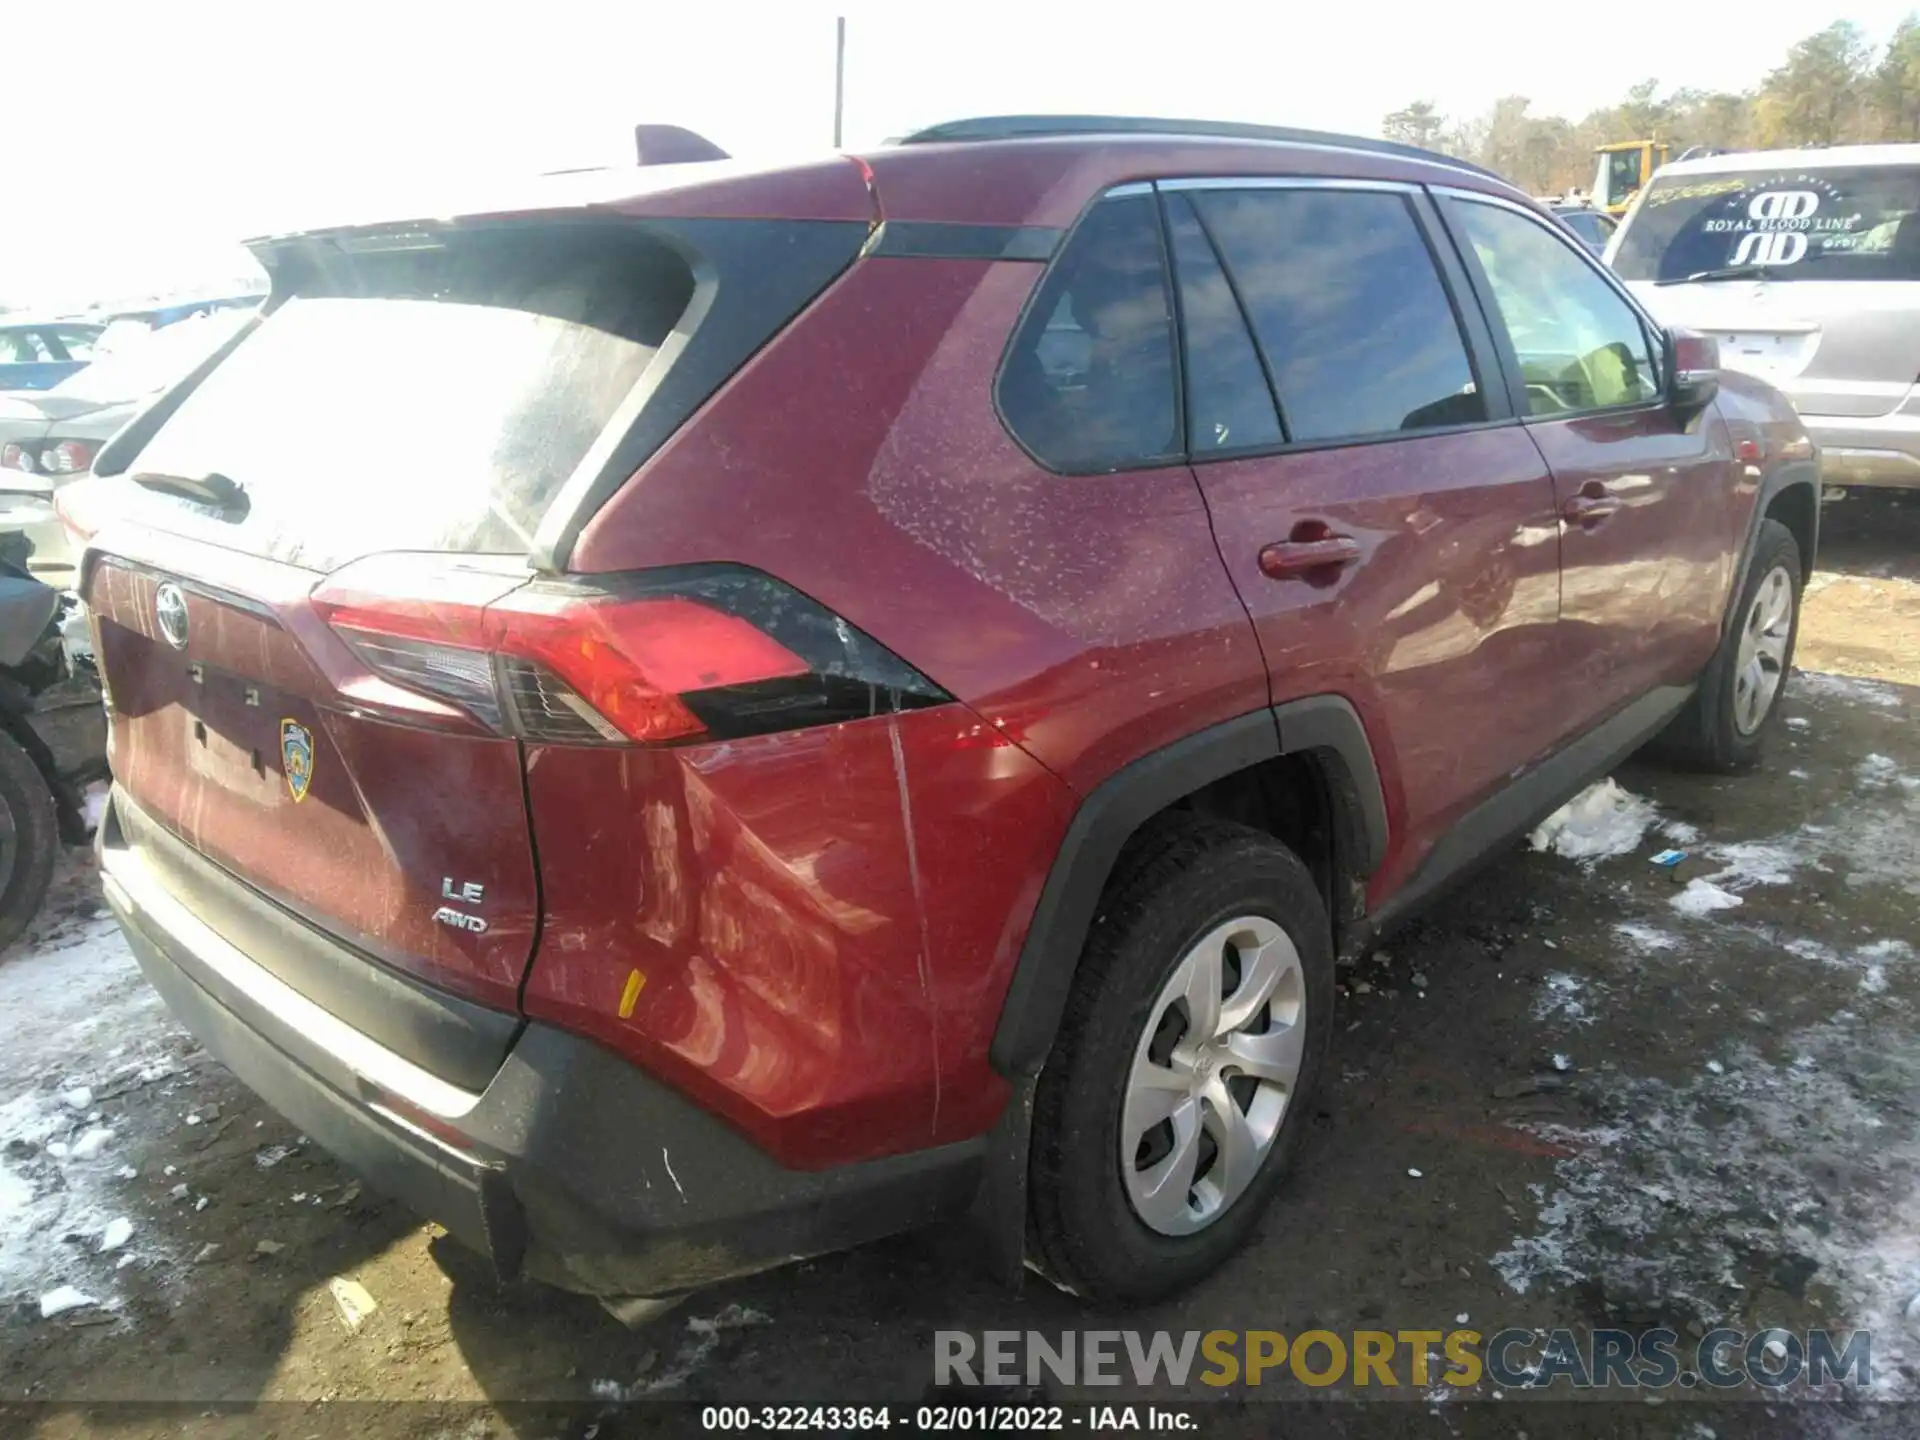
1647,513
1386,520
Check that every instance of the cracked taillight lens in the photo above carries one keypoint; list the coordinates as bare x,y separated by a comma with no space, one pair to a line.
709,652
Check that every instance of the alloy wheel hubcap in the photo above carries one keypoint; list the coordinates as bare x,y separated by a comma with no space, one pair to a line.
1213,1074
1762,661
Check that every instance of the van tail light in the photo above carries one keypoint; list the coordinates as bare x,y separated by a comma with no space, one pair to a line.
17,457
702,652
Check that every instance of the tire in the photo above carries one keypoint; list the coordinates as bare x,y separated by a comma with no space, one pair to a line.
1717,730
29,840
1183,881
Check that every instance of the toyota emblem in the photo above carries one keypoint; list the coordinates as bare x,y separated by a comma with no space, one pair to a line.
170,609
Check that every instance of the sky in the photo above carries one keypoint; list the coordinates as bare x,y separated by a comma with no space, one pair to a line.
180,127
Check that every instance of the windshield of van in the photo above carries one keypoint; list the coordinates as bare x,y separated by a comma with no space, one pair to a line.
1840,223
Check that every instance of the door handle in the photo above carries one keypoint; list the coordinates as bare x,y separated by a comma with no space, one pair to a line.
1587,511
1297,559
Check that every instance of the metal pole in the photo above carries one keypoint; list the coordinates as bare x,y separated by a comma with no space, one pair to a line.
839,74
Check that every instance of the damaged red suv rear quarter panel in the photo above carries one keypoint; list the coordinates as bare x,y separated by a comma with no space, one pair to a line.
827,920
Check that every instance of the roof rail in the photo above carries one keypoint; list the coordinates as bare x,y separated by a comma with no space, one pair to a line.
1025,127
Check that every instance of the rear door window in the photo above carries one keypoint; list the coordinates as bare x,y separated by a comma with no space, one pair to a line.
1579,344
430,399
1088,384
1229,403
1347,305
1825,223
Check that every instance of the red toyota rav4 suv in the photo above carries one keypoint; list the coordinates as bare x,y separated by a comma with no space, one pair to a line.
704,715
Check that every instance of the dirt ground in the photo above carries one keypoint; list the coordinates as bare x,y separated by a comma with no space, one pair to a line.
1561,1099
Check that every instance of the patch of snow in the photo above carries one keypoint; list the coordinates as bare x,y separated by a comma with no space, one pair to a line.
1798,722
1646,938
81,1021
1702,897
62,1299
119,1230
1685,1194
1850,688
1679,832
1600,822
1560,999
1876,772
706,1338
1747,863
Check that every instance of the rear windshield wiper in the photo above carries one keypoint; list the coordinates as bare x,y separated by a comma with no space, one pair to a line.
1727,272
211,488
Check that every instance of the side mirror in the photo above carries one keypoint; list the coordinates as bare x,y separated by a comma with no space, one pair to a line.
1693,372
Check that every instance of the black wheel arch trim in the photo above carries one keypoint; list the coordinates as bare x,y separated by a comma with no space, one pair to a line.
1108,817
1780,479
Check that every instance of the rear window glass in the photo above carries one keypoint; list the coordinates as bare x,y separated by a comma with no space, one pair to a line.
1843,223
424,399
1088,384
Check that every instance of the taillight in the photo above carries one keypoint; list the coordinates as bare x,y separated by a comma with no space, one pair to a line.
712,651
16,457
67,457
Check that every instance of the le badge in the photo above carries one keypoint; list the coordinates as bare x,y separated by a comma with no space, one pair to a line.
296,758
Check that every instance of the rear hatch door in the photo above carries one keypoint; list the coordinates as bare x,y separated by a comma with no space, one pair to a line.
305,546
388,438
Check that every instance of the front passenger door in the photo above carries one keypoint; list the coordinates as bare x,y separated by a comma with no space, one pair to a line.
1647,515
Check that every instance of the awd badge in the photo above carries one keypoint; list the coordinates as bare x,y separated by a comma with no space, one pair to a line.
296,757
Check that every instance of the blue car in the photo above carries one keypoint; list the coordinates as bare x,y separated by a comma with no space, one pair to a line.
37,355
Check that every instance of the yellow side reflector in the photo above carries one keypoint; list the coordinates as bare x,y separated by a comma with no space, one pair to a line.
636,982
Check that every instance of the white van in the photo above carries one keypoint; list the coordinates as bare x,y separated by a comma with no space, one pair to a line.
1805,265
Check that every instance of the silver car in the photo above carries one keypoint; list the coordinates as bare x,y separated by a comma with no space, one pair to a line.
1805,265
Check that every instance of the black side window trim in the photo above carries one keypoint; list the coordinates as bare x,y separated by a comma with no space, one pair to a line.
1444,199
1246,323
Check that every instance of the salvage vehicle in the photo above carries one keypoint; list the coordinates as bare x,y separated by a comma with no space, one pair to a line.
690,718
35,355
52,735
1594,227
48,439
1805,266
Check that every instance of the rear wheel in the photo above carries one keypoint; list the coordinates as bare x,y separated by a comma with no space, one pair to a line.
1725,724
1178,1089
29,840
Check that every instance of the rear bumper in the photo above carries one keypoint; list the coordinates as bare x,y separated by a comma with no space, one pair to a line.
571,1166
1880,451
